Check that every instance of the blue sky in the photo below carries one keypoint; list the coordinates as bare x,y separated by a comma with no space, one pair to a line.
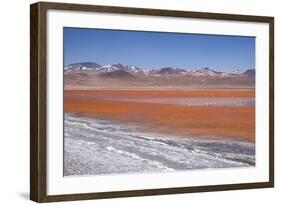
156,50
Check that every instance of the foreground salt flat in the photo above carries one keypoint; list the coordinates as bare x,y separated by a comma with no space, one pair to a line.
93,146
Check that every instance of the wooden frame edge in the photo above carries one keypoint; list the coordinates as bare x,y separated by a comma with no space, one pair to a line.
37,102
153,12
271,101
34,191
155,192
38,175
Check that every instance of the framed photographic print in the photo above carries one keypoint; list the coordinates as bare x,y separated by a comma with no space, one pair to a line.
134,102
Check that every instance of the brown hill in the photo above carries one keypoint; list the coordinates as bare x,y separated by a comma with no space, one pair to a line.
118,74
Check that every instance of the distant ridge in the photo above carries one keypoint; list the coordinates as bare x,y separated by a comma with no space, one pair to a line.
250,73
83,66
170,71
119,74
206,72
130,71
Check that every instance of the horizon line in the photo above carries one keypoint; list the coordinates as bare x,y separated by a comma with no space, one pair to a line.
158,68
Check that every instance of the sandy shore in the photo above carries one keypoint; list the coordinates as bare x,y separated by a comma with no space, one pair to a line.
93,146
203,121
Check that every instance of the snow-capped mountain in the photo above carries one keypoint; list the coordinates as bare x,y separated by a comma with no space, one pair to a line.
106,68
235,72
82,66
206,72
118,67
165,71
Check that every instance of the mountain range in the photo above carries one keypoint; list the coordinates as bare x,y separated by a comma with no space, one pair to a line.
92,75
128,69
